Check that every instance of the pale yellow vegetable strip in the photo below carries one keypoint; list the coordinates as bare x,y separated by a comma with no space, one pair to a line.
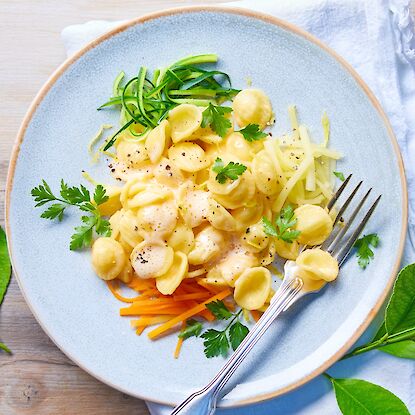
310,183
318,150
292,113
315,201
272,148
326,192
302,170
94,140
326,128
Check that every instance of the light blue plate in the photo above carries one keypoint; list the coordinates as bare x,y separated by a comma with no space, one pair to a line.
76,309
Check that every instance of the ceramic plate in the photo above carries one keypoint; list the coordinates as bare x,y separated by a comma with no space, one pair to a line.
75,307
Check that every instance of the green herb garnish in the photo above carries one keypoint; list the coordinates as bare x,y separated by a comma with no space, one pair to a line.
283,225
231,171
193,329
5,274
252,133
79,197
364,251
214,116
339,175
217,342
146,101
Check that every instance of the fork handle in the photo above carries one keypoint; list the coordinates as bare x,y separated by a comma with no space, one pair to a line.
203,402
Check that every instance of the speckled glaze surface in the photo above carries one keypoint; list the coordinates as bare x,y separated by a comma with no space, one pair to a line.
76,309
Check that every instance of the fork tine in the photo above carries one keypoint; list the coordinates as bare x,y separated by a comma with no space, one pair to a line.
333,200
346,203
344,251
335,242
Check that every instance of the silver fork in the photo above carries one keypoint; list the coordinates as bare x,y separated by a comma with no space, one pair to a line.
203,402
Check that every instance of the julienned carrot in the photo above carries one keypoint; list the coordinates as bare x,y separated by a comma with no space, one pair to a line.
148,321
191,296
187,314
256,315
145,311
154,302
118,296
140,330
179,343
140,284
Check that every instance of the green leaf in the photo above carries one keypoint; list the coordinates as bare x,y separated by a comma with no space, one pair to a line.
252,133
404,349
83,234
284,224
380,333
231,171
193,329
364,251
215,343
237,332
5,348
42,194
5,265
75,195
400,312
103,227
219,310
214,116
54,211
339,175
100,195
359,397
269,228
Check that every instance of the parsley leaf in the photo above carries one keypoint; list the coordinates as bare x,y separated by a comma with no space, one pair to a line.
214,116
219,310
99,195
364,251
237,332
193,329
283,225
79,197
231,171
252,133
216,343
339,175
54,211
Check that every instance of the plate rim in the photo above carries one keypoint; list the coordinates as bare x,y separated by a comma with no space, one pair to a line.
52,79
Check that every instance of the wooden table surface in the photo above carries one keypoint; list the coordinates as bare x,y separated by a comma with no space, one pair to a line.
38,378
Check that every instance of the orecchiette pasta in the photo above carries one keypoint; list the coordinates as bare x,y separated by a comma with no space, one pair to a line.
252,106
151,260
252,288
157,141
184,120
314,224
205,205
108,258
168,282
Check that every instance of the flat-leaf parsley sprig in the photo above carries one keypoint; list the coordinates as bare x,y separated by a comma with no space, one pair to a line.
231,171
284,224
79,197
218,342
364,252
214,116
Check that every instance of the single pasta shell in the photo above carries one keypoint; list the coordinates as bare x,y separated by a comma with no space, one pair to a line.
157,140
184,120
168,282
252,288
151,259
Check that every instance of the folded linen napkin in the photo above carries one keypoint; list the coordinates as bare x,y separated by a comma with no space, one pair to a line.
376,37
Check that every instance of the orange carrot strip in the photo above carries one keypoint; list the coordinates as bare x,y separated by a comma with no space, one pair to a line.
155,301
179,343
256,315
148,321
187,314
140,330
140,284
191,296
118,296
174,311
207,315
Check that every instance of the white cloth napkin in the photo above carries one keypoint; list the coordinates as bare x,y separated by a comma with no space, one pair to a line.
377,38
